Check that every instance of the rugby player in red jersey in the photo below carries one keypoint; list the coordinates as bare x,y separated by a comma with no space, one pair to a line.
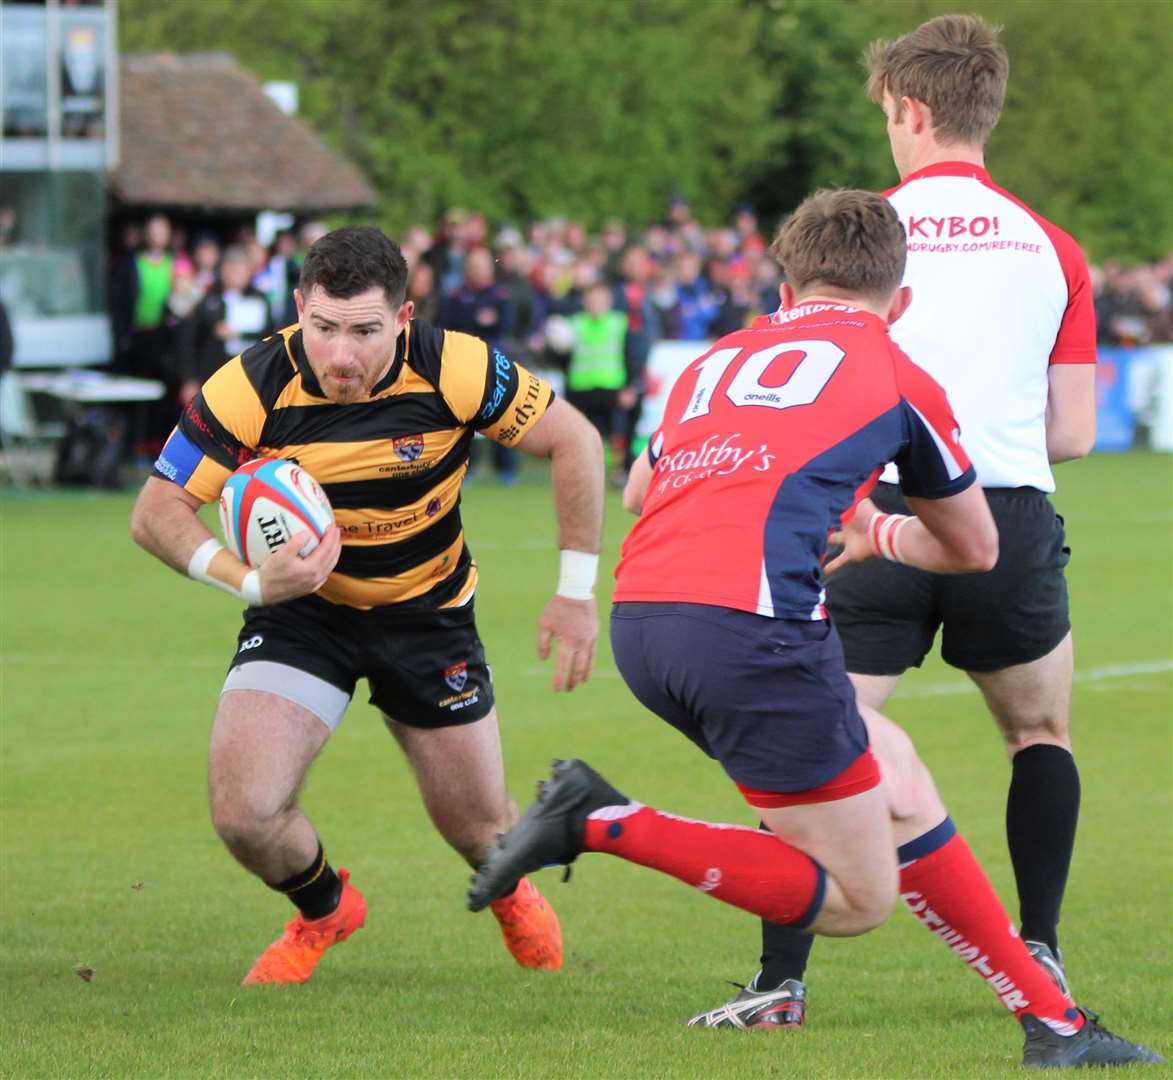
769,441
1004,321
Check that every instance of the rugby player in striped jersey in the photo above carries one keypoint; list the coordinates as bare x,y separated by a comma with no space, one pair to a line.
381,409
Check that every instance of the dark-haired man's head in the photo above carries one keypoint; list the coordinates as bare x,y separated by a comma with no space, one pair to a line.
351,307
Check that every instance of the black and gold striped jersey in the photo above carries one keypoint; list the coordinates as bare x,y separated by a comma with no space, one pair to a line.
391,463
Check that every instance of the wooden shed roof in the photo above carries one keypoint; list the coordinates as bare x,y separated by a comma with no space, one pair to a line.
198,130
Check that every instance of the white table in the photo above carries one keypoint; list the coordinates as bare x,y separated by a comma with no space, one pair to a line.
91,387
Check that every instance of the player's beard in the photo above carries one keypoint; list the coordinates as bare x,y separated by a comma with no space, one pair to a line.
343,393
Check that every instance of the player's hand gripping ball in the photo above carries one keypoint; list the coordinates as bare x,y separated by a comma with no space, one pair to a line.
267,502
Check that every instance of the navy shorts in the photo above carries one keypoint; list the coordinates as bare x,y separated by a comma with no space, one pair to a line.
888,614
767,698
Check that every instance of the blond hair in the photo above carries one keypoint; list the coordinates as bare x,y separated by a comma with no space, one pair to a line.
848,240
955,65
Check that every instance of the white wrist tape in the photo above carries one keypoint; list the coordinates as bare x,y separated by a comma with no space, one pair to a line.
201,559
576,577
884,534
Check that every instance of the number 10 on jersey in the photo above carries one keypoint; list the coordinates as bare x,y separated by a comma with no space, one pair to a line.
818,363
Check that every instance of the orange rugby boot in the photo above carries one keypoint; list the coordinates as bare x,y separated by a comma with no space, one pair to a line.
293,956
530,927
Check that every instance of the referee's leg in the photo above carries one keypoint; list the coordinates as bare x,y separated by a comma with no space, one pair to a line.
1031,704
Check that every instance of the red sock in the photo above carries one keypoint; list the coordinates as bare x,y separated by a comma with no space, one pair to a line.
748,868
943,885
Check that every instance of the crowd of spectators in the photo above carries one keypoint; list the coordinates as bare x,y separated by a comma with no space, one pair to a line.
555,297
181,305
673,279
1134,306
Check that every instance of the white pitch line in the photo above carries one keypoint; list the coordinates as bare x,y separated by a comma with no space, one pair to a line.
1091,675
949,689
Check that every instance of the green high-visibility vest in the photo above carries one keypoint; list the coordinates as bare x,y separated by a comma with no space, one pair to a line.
154,286
597,360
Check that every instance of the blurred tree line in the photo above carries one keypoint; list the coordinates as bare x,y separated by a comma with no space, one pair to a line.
594,108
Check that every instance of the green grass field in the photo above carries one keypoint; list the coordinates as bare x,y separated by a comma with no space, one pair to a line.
110,669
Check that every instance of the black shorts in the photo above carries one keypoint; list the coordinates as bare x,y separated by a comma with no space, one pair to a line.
767,698
425,669
888,614
600,407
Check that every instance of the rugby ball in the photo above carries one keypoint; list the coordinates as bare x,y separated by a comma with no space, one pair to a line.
267,502
560,334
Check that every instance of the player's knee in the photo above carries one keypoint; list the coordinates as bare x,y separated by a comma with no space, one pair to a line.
1031,727
908,785
913,795
243,823
858,904
864,911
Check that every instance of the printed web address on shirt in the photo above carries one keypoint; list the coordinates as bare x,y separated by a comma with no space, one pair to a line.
977,245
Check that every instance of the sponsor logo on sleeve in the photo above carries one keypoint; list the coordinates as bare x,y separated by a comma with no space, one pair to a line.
179,459
502,366
524,412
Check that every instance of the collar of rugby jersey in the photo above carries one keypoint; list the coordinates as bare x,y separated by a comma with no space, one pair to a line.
309,381
950,168
785,317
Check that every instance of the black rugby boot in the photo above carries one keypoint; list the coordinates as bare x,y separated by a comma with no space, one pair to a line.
549,832
1092,1046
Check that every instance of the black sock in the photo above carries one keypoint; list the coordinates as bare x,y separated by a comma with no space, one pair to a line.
784,952
1042,809
316,890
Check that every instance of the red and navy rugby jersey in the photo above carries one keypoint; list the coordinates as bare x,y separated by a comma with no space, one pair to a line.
391,463
768,439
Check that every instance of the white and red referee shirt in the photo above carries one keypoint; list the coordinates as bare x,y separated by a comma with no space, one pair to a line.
999,295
